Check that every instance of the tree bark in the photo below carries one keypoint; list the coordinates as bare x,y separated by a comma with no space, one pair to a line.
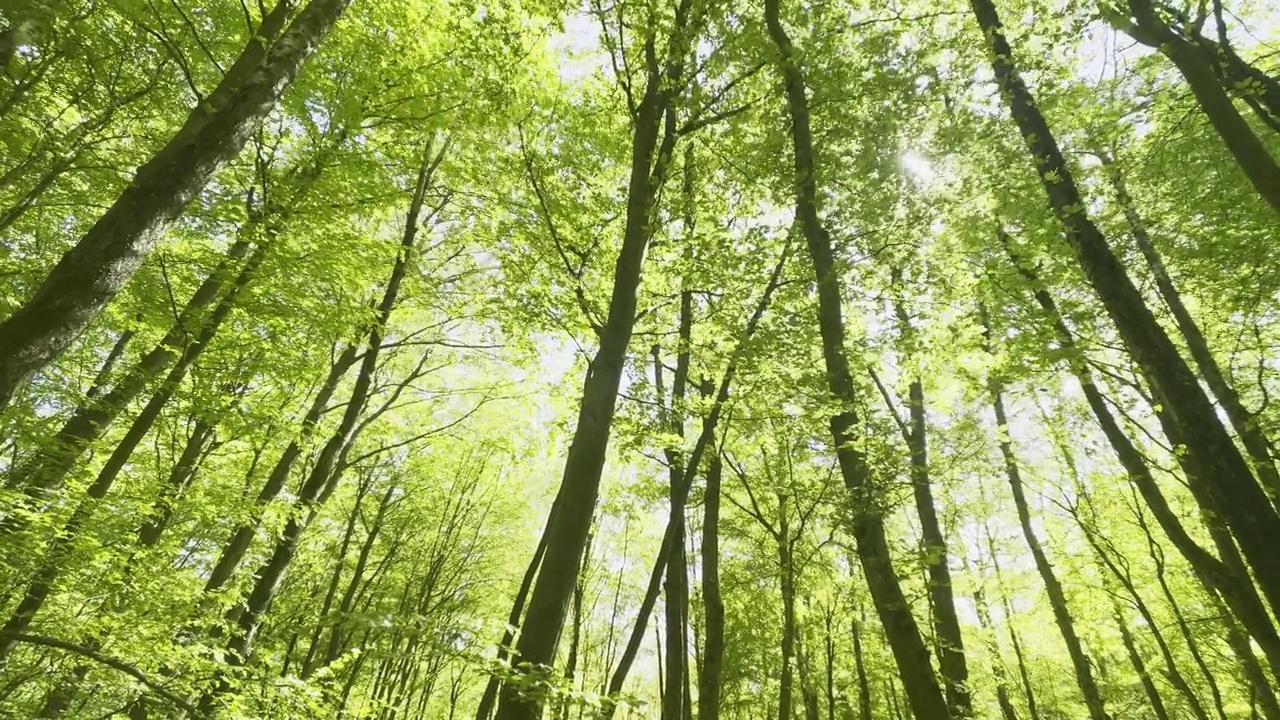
326,469
712,603
1139,667
1256,443
1210,450
580,484
1053,588
91,274
949,641
1226,575
1198,64
891,605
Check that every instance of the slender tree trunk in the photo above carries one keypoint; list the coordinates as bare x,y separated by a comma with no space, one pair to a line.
237,545
91,274
325,472
580,483
1260,689
1024,674
1139,667
1007,711
829,656
1257,444
1226,575
175,485
347,603
712,604
891,604
1210,450
331,591
786,567
808,693
676,607
1053,588
948,639
860,667
1197,64
705,438
1184,629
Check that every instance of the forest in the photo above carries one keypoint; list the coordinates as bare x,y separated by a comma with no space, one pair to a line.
623,359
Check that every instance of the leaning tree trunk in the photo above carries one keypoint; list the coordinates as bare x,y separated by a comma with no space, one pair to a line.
1256,443
91,274
1139,665
1184,628
1200,67
706,437
1210,450
60,548
323,474
891,604
1053,587
580,484
1024,676
949,641
1226,576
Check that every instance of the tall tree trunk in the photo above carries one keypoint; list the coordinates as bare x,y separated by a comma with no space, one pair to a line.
1197,64
580,484
712,603
1053,587
1184,628
1226,575
787,570
1210,450
1007,711
326,469
950,643
891,604
1139,667
238,543
860,667
676,607
97,268
1024,675
1256,443
705,438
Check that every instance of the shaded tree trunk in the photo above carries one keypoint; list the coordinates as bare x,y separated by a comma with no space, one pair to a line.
1195,58
1139,667
712,603
326,470
1227,575
891,604
950,643
580,483
1053,587
91,274
1210,450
